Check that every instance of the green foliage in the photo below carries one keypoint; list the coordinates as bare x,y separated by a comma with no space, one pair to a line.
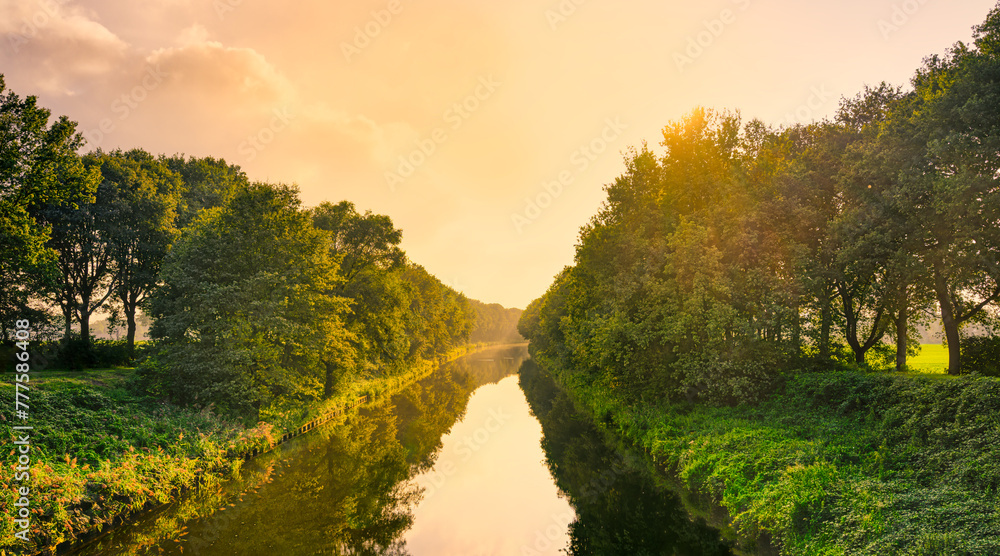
495,324
835,463
75,354
742,250
247,310
207,183
981,354
38,167
141,194
439,318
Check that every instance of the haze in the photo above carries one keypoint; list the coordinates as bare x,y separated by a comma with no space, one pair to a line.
510,116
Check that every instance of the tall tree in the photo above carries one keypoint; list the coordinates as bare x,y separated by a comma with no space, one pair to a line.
366,248
38,167
141,194
954,183
248,308
885,228
84,258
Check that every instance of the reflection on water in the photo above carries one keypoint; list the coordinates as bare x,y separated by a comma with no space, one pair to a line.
622,507
489,491
345,488
453,465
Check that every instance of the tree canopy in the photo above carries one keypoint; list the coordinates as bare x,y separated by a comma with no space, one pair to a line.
742,249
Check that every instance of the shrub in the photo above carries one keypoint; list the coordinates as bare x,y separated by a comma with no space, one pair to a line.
75,354
981,354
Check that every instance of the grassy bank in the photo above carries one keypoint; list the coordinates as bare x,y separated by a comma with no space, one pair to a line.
100,452
835,464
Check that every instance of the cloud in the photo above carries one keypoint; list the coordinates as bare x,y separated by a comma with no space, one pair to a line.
56,44
200,68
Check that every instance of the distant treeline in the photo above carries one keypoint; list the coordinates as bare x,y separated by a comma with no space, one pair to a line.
745,249
254,297
495,323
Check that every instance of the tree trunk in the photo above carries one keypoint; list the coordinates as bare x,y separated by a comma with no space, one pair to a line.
130,334
948,320
859,354
950,325
901,317
68,330
796,329
851,322
852,319
130,329
826,323
85,328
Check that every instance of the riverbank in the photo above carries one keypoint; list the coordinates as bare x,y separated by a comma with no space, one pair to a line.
347,481
832,463
100,453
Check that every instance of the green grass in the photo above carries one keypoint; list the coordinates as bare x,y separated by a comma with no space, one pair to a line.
90,377
101,451
932,359
837,463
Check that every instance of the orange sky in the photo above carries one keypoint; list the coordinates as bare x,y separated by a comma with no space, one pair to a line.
489,104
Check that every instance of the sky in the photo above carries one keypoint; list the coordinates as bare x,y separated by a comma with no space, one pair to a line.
485,130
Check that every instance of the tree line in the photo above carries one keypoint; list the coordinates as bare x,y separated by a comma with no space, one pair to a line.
745,249
255,298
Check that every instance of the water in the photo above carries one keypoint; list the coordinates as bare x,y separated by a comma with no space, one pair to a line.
484,457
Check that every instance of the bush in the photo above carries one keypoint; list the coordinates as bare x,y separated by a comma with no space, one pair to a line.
981,354
74,354
745,373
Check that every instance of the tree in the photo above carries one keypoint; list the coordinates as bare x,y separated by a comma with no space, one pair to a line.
439,318
884,226
38,167
248,308
86,267
495,323
366,248
208,183
141,194
952,184
361,242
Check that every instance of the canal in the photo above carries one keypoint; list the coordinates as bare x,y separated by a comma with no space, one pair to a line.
486,456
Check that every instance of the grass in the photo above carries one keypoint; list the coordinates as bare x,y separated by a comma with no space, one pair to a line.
99,451
844,463
107,377
932,359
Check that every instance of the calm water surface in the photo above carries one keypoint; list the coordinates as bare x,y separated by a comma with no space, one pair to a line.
484,457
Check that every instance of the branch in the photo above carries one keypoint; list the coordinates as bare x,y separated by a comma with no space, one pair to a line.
975,310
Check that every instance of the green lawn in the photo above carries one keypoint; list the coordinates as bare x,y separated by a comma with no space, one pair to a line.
933,358
90,377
